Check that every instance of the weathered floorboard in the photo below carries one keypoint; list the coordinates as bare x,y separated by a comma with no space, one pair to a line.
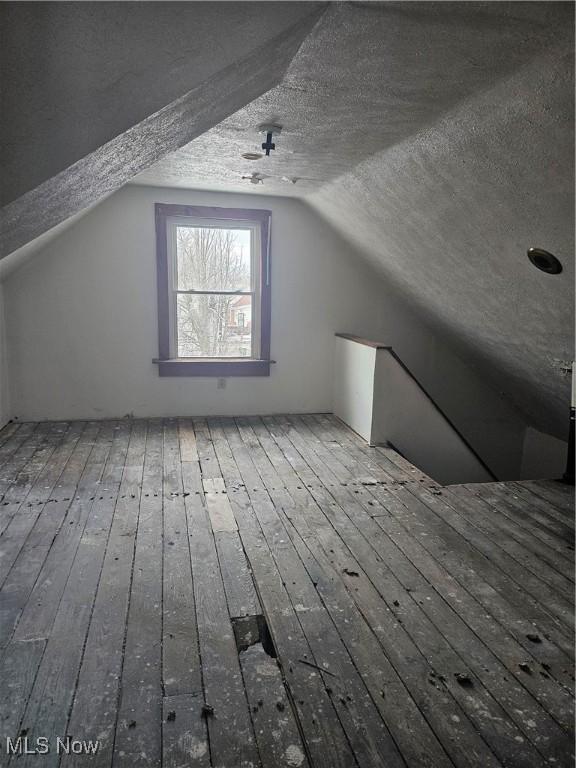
271,592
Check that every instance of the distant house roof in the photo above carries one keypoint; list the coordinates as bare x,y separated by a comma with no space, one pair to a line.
241,301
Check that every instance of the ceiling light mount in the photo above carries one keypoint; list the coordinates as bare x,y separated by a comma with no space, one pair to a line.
544,261
254,178
269,129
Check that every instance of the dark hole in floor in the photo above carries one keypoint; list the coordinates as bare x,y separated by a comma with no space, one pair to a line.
249,630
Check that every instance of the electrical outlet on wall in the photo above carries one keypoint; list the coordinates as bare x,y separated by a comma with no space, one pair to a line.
220,383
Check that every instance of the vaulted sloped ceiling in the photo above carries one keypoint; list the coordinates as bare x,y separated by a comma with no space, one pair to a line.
96,92
367,77
449,214
436,137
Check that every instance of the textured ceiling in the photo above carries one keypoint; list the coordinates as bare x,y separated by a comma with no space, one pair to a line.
75,75
240,69
368,76
438,139
449,214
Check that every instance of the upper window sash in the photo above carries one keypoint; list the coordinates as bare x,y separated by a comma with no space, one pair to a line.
210,286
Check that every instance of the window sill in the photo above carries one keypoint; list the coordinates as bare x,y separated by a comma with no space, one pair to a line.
213,368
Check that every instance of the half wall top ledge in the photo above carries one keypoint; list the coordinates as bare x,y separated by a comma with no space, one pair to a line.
97,92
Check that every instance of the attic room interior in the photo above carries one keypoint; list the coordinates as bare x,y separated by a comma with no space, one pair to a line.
286,384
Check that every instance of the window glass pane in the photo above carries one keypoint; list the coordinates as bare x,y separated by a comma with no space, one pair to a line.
213,259
212,325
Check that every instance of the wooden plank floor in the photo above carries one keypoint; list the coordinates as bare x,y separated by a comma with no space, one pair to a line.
273,592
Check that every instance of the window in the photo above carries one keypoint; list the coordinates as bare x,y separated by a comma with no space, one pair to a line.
213,291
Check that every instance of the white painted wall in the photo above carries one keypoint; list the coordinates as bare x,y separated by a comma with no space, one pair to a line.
405,417
354,371
82,329
83,326
483,415
376,396
543,456
5,412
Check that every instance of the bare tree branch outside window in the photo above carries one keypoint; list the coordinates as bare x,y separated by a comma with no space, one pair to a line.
209,324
